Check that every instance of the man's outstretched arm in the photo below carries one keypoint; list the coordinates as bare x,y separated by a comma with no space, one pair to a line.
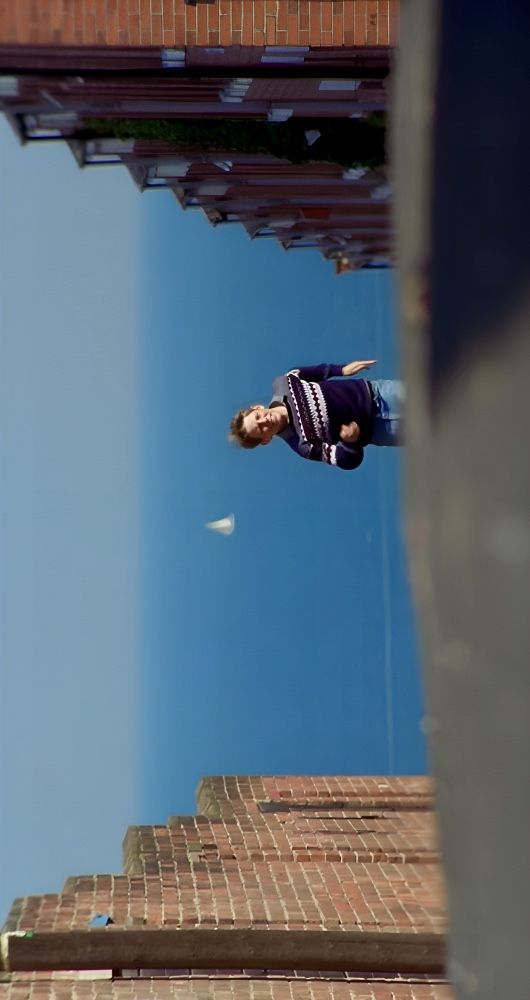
354,367
319,373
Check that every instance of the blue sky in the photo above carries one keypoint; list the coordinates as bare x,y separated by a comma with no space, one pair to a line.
138,650
68,513
288,646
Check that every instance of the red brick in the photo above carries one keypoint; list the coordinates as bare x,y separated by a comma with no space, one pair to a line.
89,29
112,30
55,10
348,17
190,18
383,32
394,22
360,25
146,22
67,29
292,29
134,29
315,32
43,25
236,14
258,12
202,25
213,18
156,29
123,14
225,32
102,12
303,15
282,17
78,14
247,33
168,15
270,30
180,30
338,30
326,16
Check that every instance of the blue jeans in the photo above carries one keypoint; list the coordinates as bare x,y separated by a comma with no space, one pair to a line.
389,401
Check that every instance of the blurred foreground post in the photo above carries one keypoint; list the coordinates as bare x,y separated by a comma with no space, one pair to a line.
462,157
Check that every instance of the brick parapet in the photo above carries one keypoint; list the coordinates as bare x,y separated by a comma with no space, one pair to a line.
315,862
187,988
273,868
349,895
317,23
220,795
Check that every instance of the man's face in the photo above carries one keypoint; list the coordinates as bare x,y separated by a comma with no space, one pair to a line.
262,424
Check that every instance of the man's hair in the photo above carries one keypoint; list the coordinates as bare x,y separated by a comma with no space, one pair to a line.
238,434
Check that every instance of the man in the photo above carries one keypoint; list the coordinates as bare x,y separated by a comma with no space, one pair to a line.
323,419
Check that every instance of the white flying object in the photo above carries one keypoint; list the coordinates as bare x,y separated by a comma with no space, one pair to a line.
224,526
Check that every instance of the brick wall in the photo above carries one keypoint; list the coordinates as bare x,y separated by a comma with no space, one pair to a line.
296,852
234,989
326,853
225,795
298,895
318,23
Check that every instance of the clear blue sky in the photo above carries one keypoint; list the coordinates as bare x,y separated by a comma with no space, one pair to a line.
140,651
69,339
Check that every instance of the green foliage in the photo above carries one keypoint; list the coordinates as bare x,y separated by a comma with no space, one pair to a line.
345,141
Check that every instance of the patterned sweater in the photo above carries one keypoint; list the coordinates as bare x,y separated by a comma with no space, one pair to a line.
318,406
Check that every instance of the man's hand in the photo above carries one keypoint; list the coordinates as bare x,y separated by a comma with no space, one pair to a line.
354,367
350,433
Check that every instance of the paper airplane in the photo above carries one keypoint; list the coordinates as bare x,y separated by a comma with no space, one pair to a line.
224,526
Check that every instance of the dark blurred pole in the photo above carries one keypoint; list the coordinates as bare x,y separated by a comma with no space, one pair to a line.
462,158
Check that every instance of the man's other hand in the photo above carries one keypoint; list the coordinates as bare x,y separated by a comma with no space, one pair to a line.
350,433
354,367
